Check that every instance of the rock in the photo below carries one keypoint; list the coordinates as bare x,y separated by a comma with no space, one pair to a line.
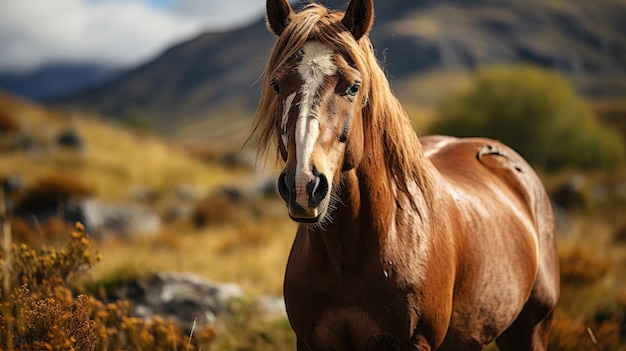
144,194
574,195
187,299
102,219
184,298
11,184
70,139
273,306
258,185
186,192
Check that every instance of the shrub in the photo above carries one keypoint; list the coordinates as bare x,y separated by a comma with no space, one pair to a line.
41,312
569,335
34,267
581,267
50,191
52,319
620,235
116,329
52,230
246,235
8,123
537,113
215,211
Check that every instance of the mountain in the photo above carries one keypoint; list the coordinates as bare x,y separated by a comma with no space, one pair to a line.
205,90
53,81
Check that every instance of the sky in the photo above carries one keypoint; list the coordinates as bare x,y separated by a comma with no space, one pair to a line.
119,33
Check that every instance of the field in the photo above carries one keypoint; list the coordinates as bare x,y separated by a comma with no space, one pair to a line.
247,241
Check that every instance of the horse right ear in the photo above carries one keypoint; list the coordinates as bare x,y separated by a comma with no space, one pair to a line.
279,14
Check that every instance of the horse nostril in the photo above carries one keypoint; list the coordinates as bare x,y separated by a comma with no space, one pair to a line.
317,189
283,187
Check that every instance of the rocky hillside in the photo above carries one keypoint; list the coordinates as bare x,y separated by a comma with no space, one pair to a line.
206,89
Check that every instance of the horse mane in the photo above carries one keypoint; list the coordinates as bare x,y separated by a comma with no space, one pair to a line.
403,154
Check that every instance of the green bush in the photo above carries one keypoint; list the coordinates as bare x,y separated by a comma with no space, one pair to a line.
537,113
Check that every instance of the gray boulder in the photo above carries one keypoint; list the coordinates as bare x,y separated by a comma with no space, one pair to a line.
184,298
104,219
187,299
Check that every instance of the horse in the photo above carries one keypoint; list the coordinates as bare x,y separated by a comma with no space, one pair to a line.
403,243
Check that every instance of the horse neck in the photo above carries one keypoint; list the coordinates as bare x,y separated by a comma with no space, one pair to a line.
363,228
347,240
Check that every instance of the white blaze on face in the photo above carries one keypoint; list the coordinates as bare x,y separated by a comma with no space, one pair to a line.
316,65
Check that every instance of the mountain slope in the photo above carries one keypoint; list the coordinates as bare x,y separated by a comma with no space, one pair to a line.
206,89
53,81
187,79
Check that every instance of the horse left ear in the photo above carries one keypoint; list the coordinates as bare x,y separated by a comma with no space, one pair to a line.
359,17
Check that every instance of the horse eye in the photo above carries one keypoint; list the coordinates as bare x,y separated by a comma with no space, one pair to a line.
275,87
354,89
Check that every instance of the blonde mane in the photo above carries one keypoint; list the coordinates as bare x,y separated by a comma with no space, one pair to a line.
403,154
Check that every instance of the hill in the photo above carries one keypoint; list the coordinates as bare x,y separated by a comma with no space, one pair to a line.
53,81
105,159
205,90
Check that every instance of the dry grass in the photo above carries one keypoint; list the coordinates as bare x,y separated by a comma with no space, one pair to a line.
115,161
253,255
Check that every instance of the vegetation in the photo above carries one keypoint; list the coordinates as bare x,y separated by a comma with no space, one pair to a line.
45,311
41,311
8,124
50,191
54,299
537,113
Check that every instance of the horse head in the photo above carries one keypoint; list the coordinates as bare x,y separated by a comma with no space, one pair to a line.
319,87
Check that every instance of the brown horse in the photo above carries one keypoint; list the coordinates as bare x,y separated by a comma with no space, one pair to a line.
443,244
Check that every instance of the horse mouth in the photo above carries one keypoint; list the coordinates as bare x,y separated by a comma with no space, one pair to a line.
305,220
309,216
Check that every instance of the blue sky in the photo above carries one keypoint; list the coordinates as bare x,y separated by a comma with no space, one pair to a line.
113,32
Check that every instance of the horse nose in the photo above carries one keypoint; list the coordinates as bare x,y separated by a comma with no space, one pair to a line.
316,189
285,184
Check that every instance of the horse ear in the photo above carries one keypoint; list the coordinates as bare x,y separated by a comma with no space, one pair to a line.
279,14
359,17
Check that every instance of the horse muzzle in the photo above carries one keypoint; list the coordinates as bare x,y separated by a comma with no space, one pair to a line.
306,195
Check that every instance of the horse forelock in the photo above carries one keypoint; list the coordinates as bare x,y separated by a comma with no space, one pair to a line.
381,110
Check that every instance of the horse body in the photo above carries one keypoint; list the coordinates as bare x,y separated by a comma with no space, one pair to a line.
404,244
465,278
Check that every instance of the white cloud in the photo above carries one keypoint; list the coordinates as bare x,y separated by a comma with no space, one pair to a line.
223,13
119,32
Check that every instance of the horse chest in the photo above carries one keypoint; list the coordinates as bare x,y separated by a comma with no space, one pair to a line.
330,313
